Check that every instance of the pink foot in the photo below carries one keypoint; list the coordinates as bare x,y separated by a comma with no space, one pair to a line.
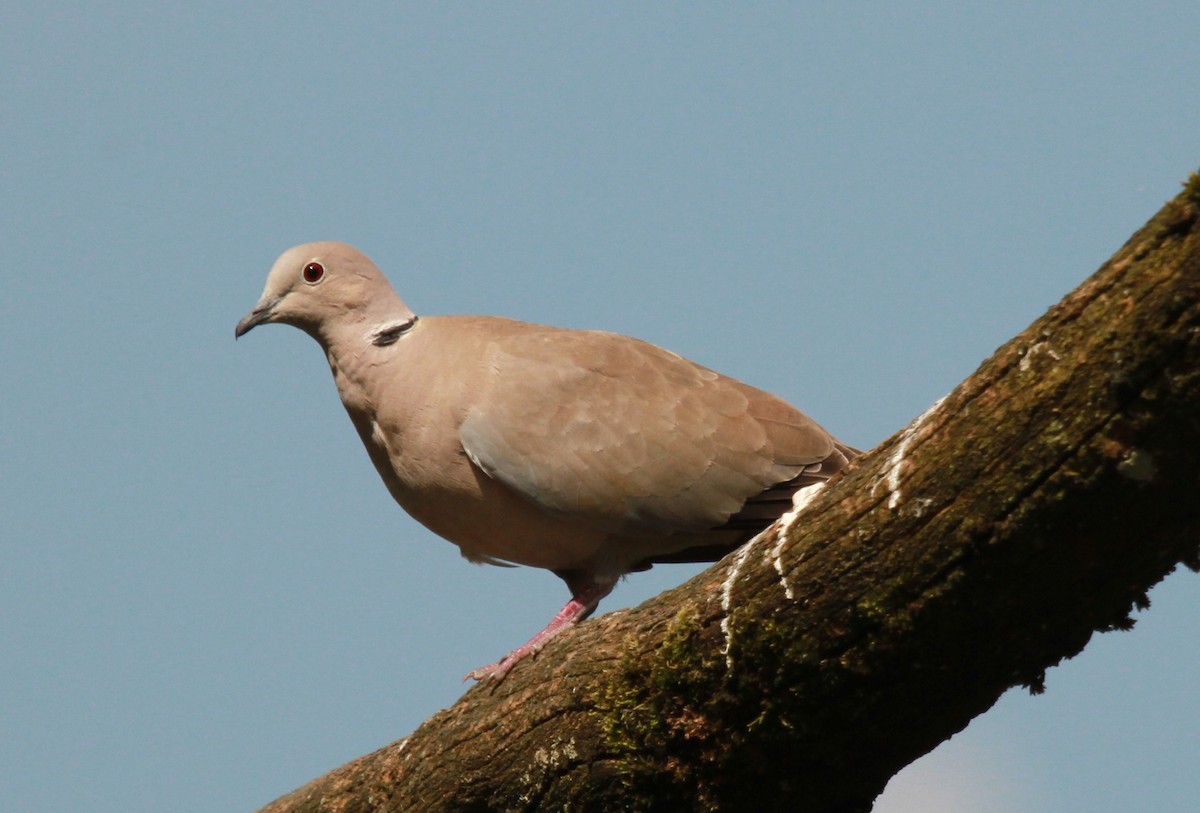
581,605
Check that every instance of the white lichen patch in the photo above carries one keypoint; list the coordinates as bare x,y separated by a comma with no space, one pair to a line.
920,506
559,753
800,501
1138,464
777,561
735,570
895,463
1033,351
545,761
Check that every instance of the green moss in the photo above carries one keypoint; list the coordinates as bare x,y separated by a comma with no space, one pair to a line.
677,722
1191,188
655,714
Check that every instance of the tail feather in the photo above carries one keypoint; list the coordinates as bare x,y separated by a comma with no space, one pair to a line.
761,510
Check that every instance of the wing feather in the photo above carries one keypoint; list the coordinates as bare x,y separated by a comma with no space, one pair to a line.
627,436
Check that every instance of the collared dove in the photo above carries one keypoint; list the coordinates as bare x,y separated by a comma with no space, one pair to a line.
587,453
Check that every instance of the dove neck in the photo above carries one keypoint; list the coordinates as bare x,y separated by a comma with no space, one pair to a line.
353,351
354,331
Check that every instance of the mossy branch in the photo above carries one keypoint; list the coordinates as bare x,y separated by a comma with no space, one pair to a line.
1032,506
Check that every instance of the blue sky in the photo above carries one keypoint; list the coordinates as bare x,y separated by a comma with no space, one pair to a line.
207,598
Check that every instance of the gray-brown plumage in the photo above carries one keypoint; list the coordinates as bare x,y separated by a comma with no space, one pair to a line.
586,453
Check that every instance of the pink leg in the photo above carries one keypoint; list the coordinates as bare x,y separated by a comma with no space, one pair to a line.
581,605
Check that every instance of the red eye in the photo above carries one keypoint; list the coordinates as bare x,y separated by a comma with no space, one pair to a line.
313,272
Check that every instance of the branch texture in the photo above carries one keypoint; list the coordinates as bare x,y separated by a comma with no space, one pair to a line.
1032,506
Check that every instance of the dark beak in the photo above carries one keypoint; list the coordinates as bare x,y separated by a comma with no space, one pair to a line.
260,315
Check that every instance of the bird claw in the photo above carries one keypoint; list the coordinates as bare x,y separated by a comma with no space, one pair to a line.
496,672
582,602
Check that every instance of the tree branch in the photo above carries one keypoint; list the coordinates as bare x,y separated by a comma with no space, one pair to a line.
984,543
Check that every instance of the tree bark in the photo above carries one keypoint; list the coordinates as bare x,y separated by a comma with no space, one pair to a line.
1033,505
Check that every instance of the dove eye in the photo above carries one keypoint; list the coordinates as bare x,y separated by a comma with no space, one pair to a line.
313,272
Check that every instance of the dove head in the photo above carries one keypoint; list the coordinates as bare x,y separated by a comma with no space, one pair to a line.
328,290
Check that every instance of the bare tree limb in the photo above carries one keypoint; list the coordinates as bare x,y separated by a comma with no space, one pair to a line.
1035,504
